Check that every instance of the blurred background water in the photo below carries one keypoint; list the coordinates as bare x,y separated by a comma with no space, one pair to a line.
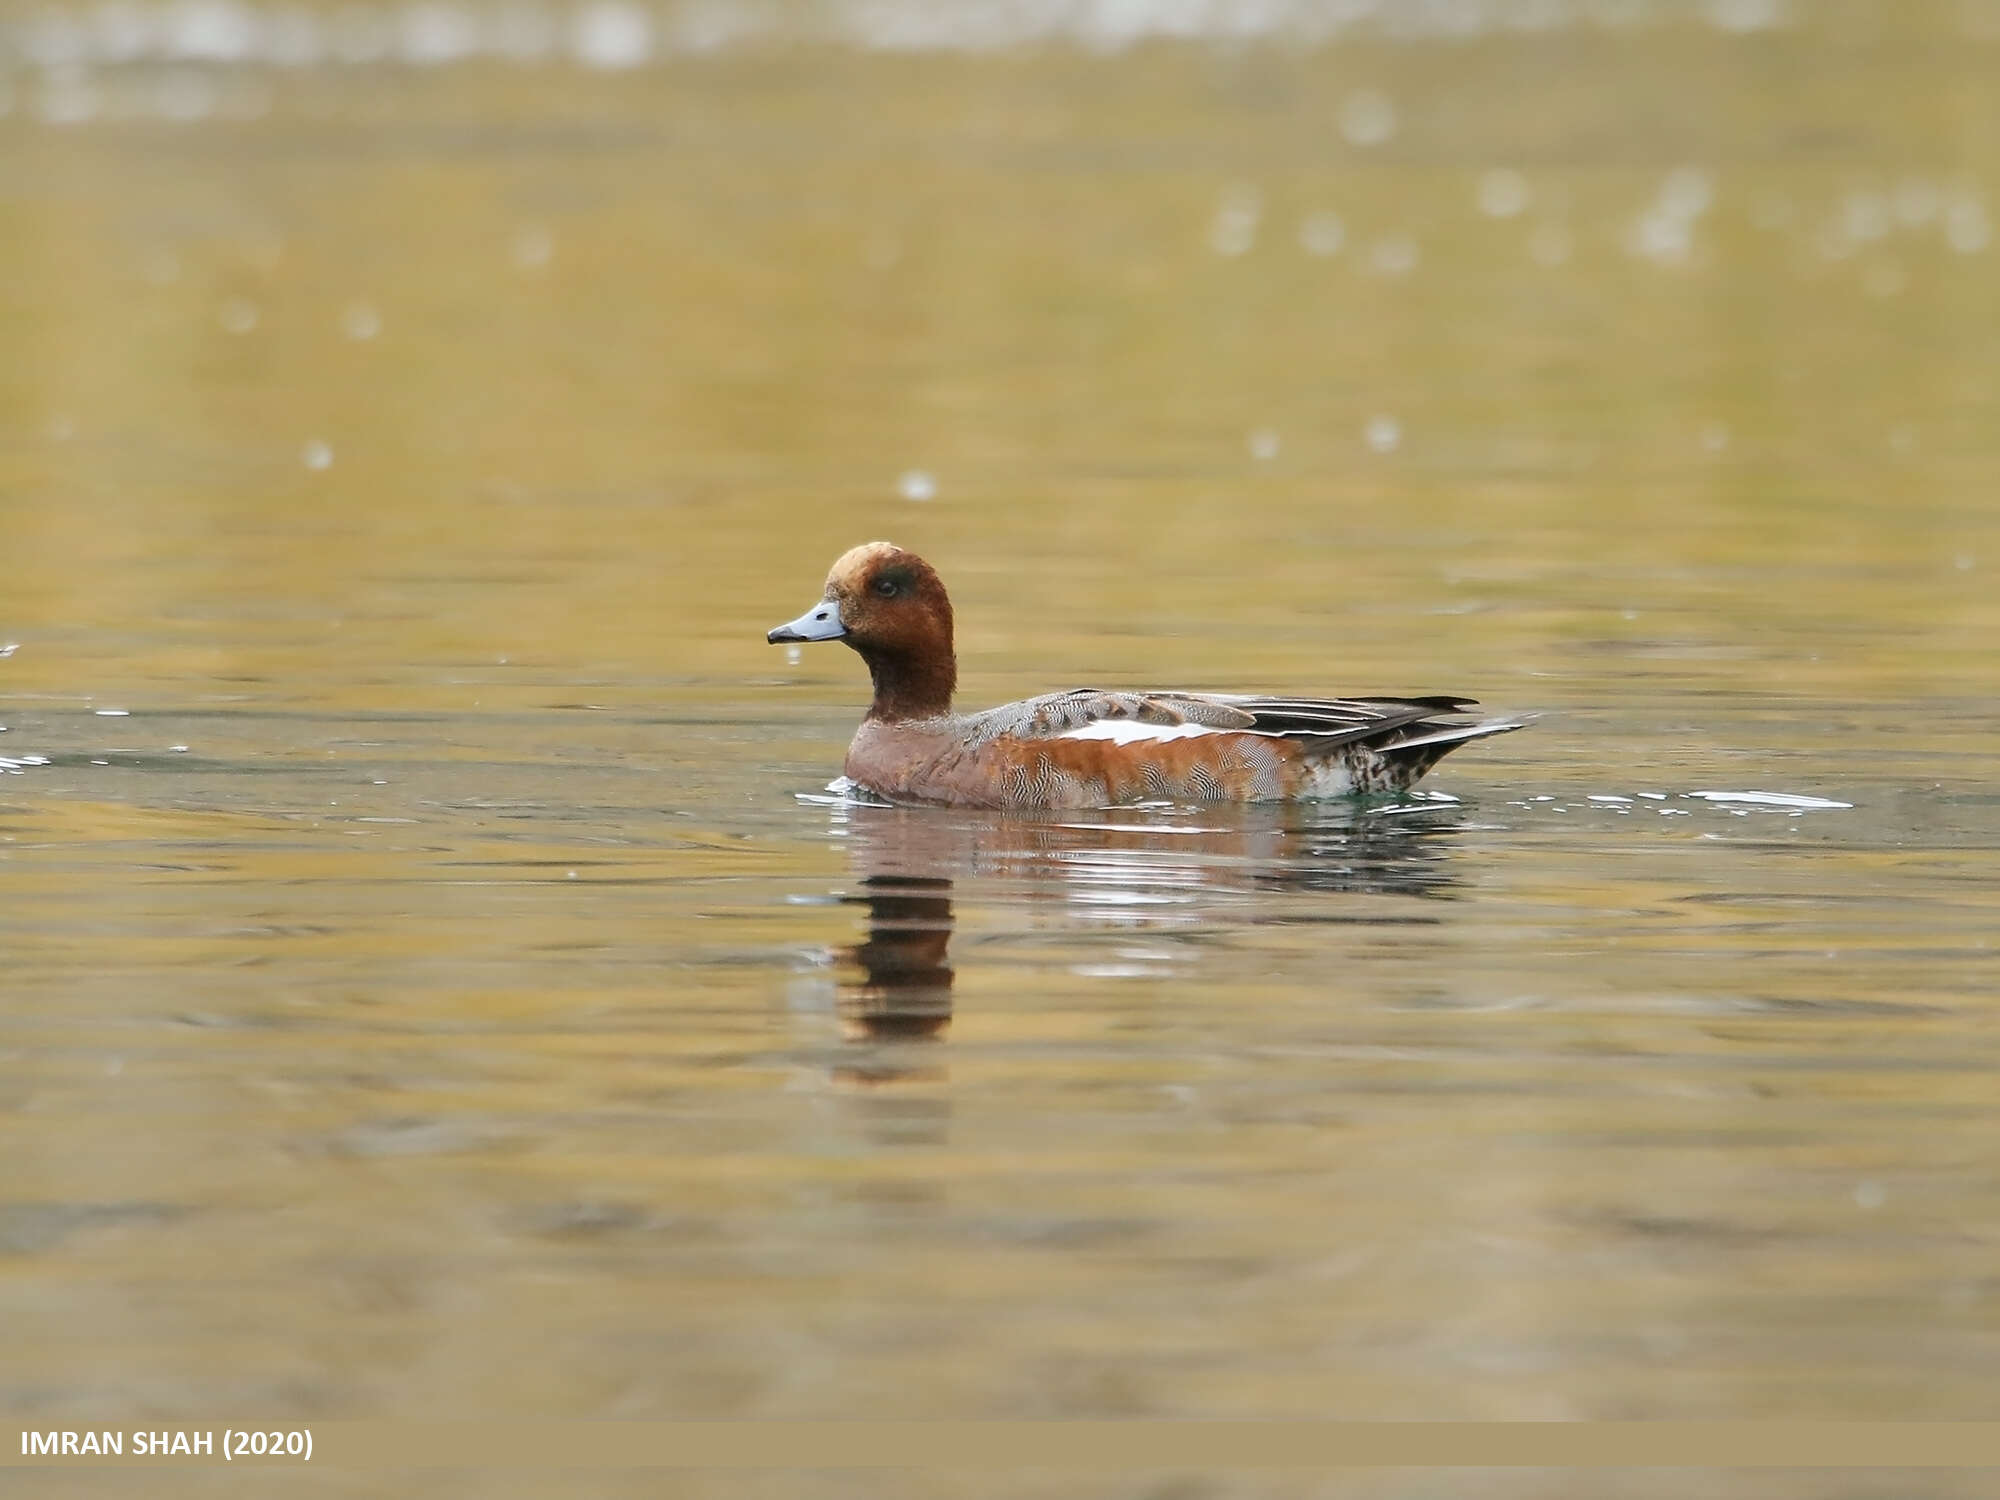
437,985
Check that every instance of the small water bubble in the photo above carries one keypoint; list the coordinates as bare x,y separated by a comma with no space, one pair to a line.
570,876
1549,245
1263,445
1965,562
1394,255
211,33
1661,237
177,749
62,427
792,655
161,267
434,34
360,321
1503,193
1870,1195
1966,228
1233,230
1322,233
533,246
612,34
1715,437
1746,15
1902,437
1384,434
238,315
1367,117
316,454
917,484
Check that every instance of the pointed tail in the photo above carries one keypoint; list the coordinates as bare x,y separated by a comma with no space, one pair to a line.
1420,752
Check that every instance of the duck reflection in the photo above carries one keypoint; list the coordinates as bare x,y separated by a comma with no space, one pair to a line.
1162,873
905,985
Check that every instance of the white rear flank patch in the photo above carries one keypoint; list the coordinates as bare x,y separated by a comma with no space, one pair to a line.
1135,731
1327,778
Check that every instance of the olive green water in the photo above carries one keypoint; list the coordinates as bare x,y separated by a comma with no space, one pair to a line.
437,984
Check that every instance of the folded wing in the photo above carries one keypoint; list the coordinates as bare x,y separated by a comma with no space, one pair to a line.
1383,724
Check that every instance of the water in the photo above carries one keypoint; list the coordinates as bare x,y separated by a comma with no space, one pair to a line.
439,985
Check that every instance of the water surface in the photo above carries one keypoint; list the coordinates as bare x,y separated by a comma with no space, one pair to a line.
439,986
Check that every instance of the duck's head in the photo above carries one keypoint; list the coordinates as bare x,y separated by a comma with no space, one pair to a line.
889,605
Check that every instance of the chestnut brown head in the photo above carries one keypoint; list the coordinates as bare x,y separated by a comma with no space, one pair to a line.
890,606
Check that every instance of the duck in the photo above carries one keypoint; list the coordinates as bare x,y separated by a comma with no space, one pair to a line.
1096,747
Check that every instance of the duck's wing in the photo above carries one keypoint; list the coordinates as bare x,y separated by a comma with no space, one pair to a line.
1146,715
1136,717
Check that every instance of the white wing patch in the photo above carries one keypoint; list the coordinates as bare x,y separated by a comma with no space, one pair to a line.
1135,731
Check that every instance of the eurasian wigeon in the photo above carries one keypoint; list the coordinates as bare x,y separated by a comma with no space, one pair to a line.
1089,747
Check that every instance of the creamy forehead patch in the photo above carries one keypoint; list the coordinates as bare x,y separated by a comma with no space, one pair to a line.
1134,731
855,559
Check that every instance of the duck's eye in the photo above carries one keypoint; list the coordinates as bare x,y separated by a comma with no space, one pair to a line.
888,588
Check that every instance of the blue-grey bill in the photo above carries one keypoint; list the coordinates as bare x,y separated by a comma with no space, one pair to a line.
820,623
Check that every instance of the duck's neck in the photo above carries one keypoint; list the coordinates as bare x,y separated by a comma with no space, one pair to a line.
909,686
